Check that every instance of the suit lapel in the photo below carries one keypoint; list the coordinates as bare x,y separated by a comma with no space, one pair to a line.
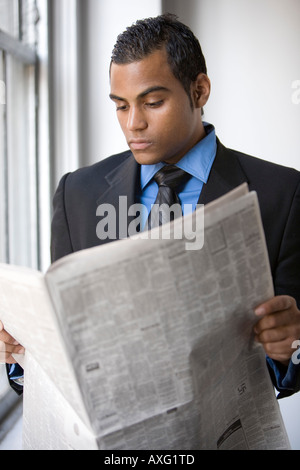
121,193
121,182
226,174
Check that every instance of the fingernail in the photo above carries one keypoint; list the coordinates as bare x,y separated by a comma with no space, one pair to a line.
259,311
21,351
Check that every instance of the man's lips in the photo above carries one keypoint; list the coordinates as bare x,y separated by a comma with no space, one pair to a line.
139,144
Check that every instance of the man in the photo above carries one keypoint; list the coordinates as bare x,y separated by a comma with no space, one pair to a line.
159,85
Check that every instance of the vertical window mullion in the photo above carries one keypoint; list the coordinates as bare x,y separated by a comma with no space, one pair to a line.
6,168
21,164
20,13
4,249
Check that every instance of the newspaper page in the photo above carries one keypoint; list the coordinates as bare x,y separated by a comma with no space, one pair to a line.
26,311
49,421
160,336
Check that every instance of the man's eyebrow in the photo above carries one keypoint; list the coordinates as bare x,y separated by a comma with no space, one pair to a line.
115,97
141,95
152,90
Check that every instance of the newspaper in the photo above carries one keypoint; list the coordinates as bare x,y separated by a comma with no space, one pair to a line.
147,343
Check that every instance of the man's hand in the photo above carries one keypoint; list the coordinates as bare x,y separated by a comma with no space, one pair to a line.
278,327
8,346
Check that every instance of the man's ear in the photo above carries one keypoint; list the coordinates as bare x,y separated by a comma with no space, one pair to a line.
201,90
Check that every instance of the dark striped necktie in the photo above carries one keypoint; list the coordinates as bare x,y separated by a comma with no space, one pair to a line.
170,180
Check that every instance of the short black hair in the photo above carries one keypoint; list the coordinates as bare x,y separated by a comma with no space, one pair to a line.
148,35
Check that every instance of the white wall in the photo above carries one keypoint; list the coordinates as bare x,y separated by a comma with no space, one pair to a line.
252,53
100,22
253,59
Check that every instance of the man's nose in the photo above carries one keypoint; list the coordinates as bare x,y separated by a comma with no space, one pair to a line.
136,119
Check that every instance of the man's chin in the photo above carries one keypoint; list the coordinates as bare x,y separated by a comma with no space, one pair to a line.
145,158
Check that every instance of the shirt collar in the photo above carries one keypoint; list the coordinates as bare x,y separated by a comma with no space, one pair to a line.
197,162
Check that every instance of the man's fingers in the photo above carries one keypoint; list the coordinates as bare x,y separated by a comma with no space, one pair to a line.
279,312
281,320
278,326
279,350
270,336
6,351
276,304
5,336
9,348
267,322
6,358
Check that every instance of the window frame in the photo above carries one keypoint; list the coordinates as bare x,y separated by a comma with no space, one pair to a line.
14,50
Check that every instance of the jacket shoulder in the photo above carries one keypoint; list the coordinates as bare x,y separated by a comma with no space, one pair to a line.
266,171
89,181
98,170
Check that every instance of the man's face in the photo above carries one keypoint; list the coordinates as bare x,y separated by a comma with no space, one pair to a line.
154,110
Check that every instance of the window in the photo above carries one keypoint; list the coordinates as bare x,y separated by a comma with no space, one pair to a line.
19,132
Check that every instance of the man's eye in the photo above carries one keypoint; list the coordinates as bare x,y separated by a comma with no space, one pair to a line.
122,108
155,104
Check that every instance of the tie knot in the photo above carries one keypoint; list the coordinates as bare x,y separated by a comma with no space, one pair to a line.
171,176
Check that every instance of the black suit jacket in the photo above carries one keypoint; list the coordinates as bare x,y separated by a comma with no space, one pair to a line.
278,189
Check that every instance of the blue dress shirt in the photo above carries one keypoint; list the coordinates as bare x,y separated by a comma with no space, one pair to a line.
197,162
